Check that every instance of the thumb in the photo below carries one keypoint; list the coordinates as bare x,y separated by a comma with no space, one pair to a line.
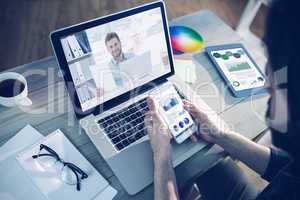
151,104
188,106
148,122
153,110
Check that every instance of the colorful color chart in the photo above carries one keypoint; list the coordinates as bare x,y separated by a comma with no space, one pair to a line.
185,40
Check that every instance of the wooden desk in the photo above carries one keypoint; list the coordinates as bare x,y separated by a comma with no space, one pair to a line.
52,108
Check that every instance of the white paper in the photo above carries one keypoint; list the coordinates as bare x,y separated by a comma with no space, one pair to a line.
14,182
26,136
48,180
186,70
108,194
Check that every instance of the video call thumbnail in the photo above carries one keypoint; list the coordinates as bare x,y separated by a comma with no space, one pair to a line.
108,60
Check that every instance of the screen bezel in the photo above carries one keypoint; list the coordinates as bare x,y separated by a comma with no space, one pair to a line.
241,93
58,50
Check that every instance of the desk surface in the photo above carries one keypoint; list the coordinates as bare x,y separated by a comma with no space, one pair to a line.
52,108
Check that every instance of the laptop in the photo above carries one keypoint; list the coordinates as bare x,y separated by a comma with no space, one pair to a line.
114,119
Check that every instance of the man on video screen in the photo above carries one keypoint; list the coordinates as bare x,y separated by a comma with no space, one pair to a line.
114,47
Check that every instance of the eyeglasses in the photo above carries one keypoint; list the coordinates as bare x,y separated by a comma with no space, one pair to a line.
69,173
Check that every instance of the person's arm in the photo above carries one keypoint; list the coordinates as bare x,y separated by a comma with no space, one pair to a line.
254,155
165,187
216,131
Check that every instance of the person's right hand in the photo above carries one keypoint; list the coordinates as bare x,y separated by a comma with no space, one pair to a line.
211,129
158,132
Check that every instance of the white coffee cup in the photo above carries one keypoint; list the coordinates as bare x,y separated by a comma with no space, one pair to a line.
20,99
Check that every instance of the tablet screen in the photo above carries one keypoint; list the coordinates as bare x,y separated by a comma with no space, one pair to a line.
238,68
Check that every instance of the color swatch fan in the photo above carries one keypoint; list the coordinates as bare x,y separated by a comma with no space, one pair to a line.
185,40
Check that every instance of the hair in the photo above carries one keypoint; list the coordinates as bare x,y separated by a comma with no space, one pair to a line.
110,36
282,39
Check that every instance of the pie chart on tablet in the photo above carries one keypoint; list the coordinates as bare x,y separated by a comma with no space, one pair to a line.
185,40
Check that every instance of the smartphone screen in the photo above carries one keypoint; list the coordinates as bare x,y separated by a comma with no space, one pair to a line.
170,105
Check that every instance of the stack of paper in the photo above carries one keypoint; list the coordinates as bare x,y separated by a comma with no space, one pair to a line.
185,69
22,177
14,182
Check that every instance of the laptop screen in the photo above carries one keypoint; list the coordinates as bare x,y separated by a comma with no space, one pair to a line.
111,59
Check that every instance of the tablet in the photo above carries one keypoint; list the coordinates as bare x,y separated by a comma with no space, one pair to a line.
238,69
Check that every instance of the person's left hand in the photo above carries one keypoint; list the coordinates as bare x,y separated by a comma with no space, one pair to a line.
158,132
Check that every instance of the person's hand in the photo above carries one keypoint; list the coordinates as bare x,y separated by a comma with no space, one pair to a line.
211,129
158,132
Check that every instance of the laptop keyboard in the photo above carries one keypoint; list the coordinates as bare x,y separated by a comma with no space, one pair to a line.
127,125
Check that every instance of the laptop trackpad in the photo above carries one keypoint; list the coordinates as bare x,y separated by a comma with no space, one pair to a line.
133,167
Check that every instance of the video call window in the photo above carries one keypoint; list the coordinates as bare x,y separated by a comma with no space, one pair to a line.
111,59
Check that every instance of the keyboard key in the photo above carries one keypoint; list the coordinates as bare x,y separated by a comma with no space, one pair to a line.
125,143
122,130
101,121
108,129
116,140
119,146
138,135
122,115
132,117
122,136
102,125
134,122
106,118
113,115
141,126
127,119
134,109
129,132
131,139
146,108
140,120
122,121
109,122
113,134
144,104
115,119
139,114
127,125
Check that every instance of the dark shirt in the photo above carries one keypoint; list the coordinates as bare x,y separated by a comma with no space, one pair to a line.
284,184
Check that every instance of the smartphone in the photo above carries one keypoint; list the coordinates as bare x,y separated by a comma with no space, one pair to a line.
170,106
